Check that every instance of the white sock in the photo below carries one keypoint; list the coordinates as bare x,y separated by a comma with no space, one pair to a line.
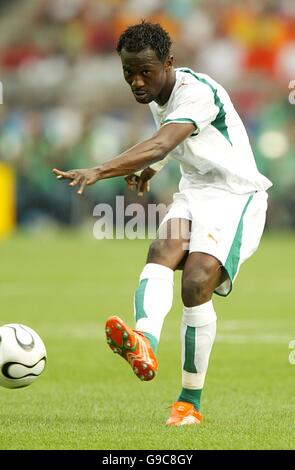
153,299
198,330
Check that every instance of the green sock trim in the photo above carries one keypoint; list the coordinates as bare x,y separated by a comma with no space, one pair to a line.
152,340
189,348
139,298
191,396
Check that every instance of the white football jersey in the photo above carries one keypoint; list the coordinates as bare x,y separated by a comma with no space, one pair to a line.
218,153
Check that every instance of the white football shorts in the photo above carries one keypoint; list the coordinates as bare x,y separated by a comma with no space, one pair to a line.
225,225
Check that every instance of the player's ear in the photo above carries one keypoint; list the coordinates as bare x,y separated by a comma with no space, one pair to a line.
169,62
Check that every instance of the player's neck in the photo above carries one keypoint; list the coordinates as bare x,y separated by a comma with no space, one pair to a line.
167,90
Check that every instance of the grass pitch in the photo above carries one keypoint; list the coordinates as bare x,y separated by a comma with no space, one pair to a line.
66,286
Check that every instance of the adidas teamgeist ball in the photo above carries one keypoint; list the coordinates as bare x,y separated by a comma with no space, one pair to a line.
22,355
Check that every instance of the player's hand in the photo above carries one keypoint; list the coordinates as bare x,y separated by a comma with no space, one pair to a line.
78,177
140,183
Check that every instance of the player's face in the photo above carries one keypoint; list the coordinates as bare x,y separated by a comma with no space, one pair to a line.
148,77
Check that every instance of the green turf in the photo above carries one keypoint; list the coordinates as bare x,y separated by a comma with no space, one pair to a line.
67,285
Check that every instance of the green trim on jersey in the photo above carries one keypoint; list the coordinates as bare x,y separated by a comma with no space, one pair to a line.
184,120
219,122
233,258
189,350
139,299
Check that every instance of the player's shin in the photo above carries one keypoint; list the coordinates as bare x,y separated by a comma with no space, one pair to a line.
153,300
198,330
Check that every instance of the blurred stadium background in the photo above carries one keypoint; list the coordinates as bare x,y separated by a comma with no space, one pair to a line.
66,105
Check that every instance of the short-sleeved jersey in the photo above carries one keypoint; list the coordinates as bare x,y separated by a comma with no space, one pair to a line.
218,152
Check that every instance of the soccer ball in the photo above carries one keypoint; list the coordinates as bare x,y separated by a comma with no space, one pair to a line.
22,355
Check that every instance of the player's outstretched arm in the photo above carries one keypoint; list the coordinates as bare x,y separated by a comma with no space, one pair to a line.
136,158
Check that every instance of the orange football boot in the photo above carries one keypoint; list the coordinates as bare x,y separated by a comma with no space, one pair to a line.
183,413
132,346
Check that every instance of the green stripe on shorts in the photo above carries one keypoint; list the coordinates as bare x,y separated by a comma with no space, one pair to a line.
233,259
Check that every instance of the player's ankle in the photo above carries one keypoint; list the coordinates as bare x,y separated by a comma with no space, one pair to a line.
152,341
191,396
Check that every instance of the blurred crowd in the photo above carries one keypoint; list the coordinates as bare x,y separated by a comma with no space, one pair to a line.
66,105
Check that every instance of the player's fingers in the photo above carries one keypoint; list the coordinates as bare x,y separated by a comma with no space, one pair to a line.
131,181
90,181
75,181
69,175
141,187
131,185
82,187
59,174
130,178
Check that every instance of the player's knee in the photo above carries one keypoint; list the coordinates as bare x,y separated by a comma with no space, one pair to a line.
157,251
196,287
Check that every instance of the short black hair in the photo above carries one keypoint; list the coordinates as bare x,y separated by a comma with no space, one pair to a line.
140,36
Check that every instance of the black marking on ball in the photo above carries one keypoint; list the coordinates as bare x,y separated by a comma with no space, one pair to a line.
26,347
5,369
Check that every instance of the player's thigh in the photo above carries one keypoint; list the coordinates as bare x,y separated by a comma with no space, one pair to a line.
172,243
202,272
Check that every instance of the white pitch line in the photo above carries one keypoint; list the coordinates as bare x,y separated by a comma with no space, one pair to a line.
95,331
253,338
